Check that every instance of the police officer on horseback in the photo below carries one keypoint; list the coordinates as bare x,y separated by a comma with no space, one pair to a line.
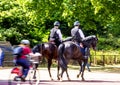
55,34
77,33
78,37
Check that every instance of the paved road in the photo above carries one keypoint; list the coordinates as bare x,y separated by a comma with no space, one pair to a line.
91,78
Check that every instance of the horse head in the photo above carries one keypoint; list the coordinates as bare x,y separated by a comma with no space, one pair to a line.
91,41
36,48
94,42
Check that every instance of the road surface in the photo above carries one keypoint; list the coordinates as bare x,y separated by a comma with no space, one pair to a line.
91,78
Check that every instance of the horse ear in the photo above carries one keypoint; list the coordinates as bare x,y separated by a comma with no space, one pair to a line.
96,37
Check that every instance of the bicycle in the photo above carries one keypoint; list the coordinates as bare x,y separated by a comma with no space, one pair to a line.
31,75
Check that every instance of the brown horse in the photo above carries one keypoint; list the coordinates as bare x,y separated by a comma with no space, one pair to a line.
49,51
70,50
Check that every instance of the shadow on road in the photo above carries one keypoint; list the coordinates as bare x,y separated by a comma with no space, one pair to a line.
86,81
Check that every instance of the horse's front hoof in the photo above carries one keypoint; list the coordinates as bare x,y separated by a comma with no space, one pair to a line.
69,79
60,78
52,79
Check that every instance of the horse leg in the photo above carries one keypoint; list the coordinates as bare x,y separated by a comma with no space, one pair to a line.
84,64
49,65
58,69
34,76
35,67
61,75
81,68
82,75
67,75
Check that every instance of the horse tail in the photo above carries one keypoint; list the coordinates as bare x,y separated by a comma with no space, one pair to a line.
61,58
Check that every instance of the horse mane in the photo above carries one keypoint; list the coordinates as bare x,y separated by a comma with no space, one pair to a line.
89,37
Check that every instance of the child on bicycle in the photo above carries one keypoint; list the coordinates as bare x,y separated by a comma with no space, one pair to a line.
22,60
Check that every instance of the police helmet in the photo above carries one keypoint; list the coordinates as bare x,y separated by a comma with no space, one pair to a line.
56,23
76,23
26,42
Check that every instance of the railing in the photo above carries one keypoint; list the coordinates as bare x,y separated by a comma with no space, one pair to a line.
106,59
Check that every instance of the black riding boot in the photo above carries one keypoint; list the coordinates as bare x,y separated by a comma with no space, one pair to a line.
86,53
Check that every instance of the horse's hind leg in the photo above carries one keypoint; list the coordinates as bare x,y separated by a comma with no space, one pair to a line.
67,75
58,69
49,65
61,74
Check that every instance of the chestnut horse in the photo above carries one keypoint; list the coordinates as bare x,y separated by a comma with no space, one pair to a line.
70,50
49,51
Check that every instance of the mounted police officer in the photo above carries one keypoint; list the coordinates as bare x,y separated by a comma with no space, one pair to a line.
78,37
55,34
77,33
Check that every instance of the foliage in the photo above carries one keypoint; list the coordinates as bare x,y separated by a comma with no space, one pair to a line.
15,23
33,19
109,44
107,13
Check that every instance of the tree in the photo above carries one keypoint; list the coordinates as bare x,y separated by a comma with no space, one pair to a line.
107,13
33,19
15,22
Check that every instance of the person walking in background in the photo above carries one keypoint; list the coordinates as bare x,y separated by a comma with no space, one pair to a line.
1,57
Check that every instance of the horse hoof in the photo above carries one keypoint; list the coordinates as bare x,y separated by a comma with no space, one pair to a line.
83,79
52,79
58,79
69,79
78,76
61,80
